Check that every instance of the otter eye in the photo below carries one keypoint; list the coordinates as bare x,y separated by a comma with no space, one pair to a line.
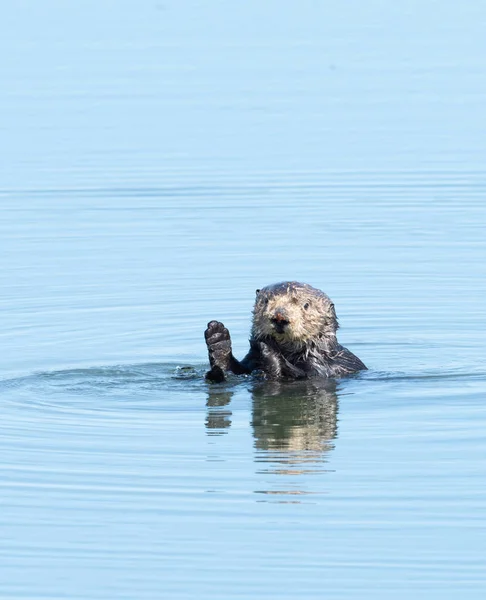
266,301
306,306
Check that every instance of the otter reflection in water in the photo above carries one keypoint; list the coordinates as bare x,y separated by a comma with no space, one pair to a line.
218,418
294,423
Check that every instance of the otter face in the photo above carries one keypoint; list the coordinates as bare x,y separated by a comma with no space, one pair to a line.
294,313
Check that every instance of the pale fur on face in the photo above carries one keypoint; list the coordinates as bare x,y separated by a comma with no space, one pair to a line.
310,313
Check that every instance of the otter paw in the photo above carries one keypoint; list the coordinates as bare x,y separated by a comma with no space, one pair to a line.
216,375
270,361
218,341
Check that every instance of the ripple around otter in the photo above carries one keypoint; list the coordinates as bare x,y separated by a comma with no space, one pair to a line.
160,386
108,388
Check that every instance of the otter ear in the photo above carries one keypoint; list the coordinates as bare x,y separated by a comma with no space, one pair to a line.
334,319
257,292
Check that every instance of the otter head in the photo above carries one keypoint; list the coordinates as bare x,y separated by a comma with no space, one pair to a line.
293,313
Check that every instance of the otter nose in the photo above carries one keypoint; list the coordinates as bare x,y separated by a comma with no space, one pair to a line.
280,318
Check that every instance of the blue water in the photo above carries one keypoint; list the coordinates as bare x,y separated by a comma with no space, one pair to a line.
158,163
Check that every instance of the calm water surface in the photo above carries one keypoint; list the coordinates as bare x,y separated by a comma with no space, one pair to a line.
158,163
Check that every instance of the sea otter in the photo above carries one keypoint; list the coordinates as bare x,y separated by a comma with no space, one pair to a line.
293,336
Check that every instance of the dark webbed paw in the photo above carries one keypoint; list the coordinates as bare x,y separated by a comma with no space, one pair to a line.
218,341
276,366
216,375
270,361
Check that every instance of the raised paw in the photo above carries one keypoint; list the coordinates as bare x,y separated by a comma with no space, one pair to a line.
218,341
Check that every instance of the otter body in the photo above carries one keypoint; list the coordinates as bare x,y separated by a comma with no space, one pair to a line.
293,336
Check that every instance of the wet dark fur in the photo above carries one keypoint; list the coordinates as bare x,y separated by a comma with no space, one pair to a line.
293,337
